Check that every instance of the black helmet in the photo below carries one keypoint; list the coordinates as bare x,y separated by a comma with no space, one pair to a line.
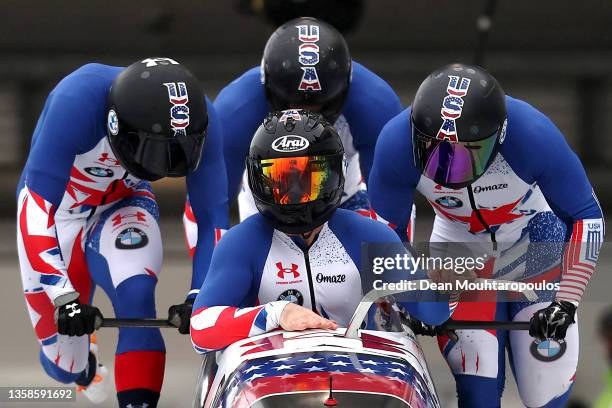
306,64
296,170
458,122
157,119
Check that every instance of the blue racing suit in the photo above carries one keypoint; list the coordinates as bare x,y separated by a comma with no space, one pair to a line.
268,268
83,220
535,190
242,107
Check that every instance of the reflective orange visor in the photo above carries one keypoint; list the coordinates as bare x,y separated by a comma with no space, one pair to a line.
295,180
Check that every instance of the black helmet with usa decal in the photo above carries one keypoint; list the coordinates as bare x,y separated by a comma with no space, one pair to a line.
306,64
157,119
458,122
296,170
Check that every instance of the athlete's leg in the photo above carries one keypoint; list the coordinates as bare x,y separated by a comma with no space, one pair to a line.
63,358
411,229
545,370
124,254
477,359
190,227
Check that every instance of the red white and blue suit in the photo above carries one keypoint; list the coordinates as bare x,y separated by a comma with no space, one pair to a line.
535,191
267,268
358,126
84,221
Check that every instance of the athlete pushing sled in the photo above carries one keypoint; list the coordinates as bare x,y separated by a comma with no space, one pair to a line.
87,216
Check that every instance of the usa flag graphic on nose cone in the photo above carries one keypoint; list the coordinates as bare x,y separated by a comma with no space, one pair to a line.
310,372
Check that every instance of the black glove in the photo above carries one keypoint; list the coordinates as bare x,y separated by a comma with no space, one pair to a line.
179,315
76,319
424,329
552,321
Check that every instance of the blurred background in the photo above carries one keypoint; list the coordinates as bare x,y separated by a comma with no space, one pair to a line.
556,55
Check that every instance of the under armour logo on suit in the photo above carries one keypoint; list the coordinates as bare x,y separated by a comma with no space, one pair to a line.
282,270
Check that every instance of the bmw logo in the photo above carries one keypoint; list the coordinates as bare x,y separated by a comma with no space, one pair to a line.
131,238
449,202
293,296
547,350
112,122
99,172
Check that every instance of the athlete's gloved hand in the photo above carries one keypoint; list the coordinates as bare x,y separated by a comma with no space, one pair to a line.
552,321
424,329
179,315
77,319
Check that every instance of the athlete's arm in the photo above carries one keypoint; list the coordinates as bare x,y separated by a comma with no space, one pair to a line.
369,105
207,189
241,107
422,305
62,129
354,231
224,310
393,178
540,154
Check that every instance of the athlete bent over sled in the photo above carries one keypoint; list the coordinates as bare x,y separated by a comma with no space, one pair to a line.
87,215
497,172
299,234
